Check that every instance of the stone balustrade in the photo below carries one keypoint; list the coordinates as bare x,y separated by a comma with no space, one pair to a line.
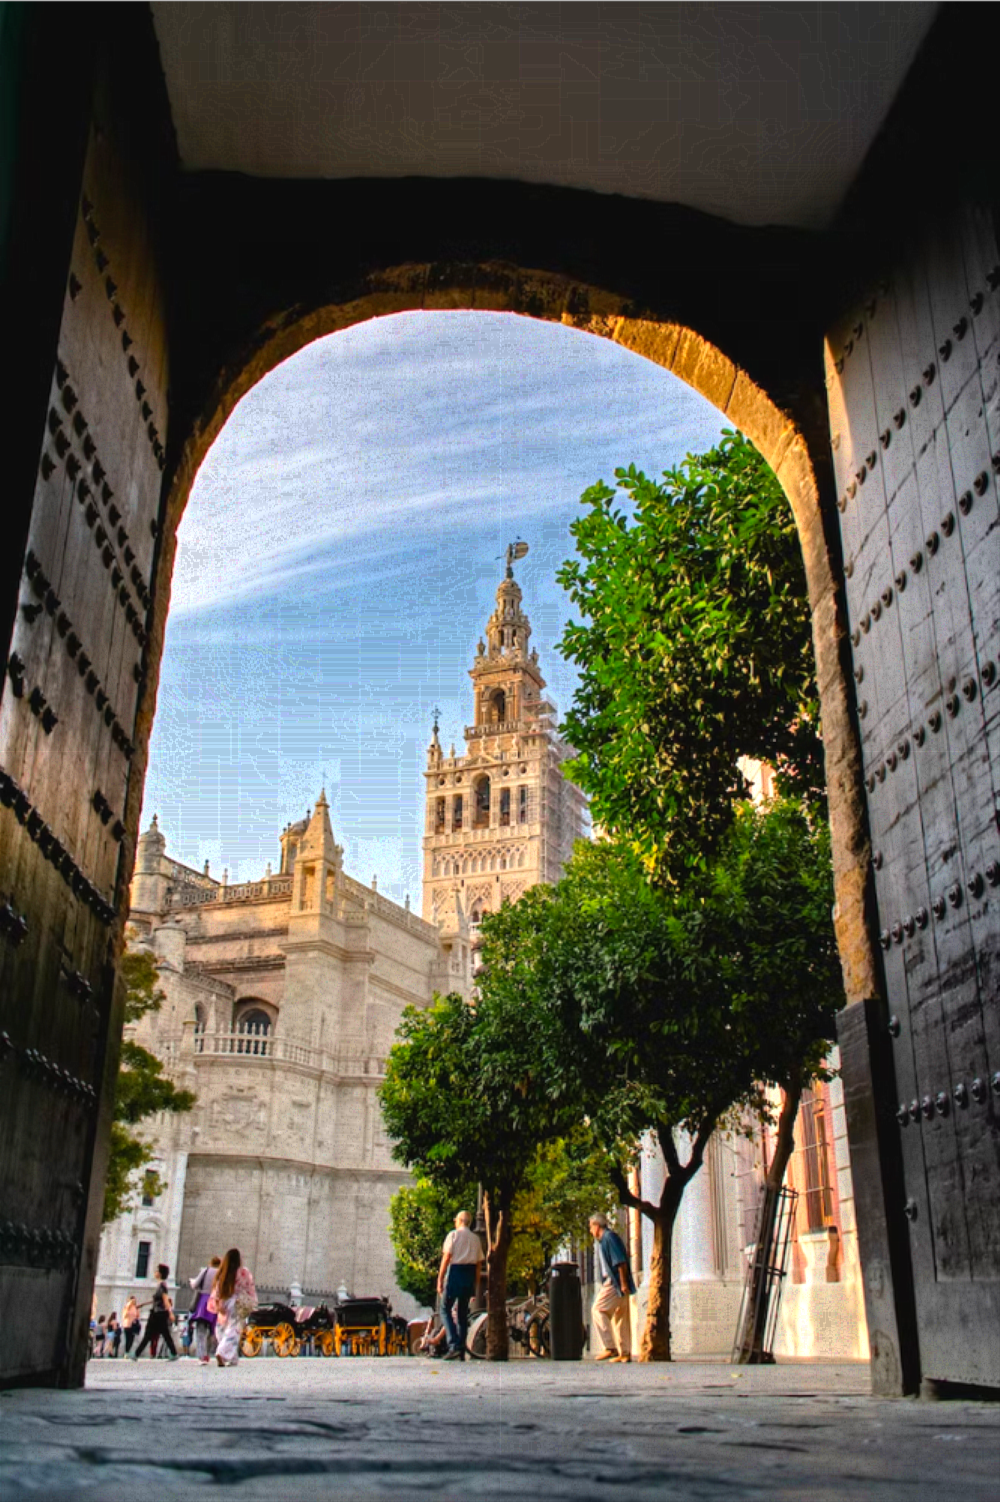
259,1048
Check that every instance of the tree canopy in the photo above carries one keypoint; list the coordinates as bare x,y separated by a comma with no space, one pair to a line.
694,650
676,1006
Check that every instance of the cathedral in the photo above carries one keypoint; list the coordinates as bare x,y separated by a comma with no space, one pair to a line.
282,997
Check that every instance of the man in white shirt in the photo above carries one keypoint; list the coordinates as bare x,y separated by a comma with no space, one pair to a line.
458,1280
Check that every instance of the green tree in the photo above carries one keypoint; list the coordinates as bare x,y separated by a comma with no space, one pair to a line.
141,1091
695,649
467,1098
567,1181
420,1217
677,1006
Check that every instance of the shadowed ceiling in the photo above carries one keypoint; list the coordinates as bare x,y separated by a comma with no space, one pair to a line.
759,113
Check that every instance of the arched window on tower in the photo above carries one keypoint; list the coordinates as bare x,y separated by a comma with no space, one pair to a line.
498,707
482,795
439,816
200,1024
505,805
456,811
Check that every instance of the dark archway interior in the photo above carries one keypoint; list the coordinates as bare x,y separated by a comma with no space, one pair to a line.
244,267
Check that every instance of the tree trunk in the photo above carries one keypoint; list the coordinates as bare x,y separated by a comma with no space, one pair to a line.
498,1239
754,1338
655,1345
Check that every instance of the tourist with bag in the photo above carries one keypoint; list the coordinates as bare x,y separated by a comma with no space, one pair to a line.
202,1318
234,1297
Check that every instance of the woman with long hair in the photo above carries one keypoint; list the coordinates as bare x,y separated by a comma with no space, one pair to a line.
234,1296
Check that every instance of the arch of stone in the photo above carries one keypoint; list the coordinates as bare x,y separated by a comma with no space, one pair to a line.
144,301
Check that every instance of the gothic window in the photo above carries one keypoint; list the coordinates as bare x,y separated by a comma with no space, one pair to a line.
522,805
439,816
505,805
456,811
482,794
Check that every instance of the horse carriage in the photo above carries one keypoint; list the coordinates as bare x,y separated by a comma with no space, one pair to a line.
355,1327
368,1327
288,1329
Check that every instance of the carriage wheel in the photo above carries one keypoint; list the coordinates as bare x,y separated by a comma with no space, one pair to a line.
252,1342
326,1343
283,1340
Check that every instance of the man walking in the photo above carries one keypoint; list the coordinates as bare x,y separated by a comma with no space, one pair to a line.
160,1316
458,1279
612,1316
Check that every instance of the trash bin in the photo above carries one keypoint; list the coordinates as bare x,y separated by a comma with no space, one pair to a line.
565,1312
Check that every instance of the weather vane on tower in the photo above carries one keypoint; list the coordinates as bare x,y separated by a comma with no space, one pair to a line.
515,550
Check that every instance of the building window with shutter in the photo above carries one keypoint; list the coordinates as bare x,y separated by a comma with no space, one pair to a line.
816,1161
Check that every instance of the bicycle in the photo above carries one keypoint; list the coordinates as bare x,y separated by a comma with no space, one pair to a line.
527,1326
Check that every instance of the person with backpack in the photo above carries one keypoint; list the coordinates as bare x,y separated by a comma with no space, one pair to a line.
160,1318
202,1319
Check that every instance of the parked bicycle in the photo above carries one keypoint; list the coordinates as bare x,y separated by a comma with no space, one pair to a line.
527,1328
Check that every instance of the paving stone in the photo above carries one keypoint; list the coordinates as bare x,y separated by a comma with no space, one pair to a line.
354,1430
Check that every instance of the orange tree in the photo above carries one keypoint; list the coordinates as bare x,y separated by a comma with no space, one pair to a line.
469,1095
694,649
670,1009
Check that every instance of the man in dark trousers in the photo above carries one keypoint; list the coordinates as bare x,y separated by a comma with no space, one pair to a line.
611,1310
158,1323
458,1280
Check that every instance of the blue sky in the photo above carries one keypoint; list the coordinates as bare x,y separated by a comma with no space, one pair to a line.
338,560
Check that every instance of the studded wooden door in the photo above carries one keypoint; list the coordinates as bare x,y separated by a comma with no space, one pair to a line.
73,677
914,393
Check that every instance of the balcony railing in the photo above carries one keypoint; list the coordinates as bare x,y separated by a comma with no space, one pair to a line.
501,727
245,891
248,1046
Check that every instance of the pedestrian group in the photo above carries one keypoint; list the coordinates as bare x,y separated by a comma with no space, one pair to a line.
223,1297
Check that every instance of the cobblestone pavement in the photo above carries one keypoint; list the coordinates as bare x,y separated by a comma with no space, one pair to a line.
306,1429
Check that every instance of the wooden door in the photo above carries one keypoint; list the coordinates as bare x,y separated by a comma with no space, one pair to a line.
913,382
73,677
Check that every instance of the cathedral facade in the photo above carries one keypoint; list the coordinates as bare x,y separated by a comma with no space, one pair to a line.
501,817
282,997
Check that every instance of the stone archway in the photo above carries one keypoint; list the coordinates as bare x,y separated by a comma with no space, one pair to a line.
679,350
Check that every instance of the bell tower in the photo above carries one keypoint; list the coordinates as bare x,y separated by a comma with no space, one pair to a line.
501,817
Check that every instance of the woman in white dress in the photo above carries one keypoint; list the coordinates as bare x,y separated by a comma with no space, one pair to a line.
234,1296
